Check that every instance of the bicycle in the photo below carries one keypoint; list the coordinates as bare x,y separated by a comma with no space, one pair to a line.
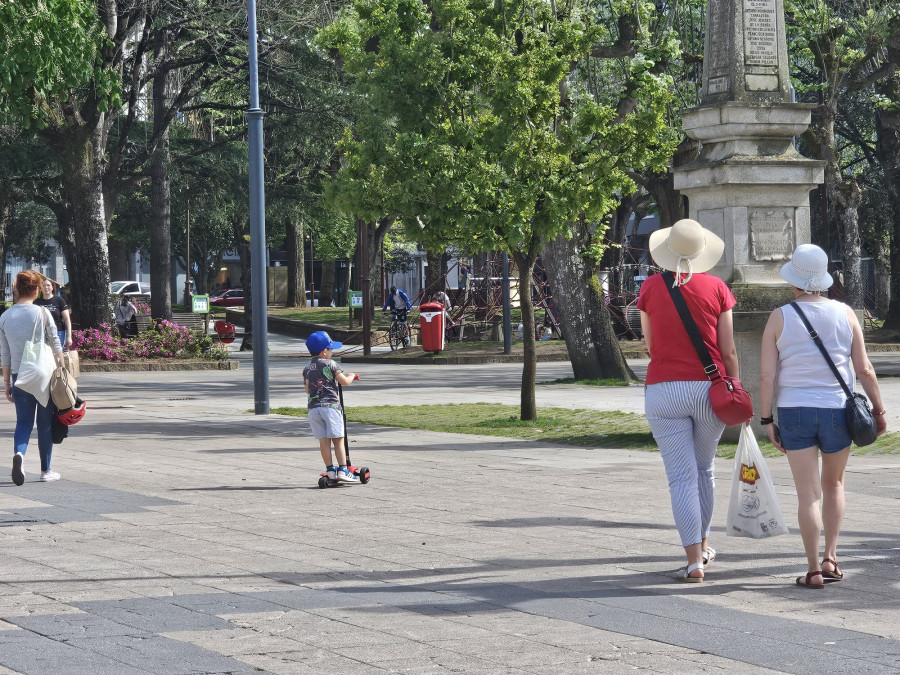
399,333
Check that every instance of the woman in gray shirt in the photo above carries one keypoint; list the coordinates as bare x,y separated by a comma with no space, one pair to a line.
17,325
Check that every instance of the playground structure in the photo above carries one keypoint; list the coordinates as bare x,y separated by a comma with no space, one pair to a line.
476,303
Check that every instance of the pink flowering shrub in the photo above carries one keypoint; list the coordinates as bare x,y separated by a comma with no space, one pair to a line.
167,340
141,306
99,343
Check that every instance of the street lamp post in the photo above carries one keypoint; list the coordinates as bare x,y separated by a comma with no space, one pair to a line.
257,229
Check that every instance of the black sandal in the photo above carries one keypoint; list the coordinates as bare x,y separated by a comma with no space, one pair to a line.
808,583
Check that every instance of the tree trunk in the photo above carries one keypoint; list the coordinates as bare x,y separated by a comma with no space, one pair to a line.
846,198
160,206
80,156
65,236
528,408
882,278
887,128
594,350
244,254
326,292
377,232
296,264
614,255
202,276
672,206
118,260
433,274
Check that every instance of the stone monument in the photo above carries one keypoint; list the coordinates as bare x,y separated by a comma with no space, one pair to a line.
749,184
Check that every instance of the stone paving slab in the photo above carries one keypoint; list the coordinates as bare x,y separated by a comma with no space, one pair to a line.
188,536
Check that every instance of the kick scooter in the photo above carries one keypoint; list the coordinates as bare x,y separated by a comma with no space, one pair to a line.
361,472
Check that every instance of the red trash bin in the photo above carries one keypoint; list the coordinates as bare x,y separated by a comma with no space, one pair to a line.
431,324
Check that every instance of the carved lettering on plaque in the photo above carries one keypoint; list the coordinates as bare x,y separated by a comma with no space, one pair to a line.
760,33
772,235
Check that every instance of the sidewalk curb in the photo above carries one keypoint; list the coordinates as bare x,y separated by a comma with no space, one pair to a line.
161,365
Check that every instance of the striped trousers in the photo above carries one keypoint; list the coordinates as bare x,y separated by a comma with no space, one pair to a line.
687,432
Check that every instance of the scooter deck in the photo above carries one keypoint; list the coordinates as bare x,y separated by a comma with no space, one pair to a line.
360,472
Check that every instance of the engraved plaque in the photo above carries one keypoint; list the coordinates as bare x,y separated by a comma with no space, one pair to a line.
717,85
760,33
761,82
772,233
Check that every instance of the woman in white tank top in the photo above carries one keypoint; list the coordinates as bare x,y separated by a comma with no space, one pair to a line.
810,401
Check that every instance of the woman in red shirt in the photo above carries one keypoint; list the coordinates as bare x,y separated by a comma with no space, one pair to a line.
677,388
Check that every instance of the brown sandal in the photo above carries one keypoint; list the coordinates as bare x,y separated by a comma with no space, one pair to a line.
808,583
837,575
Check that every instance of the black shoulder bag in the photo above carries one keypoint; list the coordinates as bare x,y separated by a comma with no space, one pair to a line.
860,420
730,401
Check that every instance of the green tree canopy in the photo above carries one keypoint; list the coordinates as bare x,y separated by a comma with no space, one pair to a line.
478,130
48,47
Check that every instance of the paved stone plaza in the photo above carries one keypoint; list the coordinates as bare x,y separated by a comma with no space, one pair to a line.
187,536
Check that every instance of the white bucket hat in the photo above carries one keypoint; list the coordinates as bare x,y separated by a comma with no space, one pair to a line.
686,247
808,269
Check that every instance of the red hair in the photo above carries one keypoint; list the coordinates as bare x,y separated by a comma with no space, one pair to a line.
28,283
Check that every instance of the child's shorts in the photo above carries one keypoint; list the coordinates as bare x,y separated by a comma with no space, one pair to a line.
326,422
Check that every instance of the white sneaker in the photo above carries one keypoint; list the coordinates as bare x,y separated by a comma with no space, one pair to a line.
47,476
345,476
331,472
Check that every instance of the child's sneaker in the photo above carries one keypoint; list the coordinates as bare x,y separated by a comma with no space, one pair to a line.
345,476
331,472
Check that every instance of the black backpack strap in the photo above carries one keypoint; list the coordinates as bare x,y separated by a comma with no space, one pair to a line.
709,366
815,336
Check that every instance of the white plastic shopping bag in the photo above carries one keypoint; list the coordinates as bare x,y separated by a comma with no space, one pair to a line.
37,366
753,510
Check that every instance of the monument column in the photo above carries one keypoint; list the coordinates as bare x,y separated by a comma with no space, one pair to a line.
749,184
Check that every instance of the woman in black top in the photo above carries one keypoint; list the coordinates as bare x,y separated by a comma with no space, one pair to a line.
59,310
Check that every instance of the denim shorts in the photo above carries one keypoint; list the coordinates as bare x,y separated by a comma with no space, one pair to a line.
326,422
808,427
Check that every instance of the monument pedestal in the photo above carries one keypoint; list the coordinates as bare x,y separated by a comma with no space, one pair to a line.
749,184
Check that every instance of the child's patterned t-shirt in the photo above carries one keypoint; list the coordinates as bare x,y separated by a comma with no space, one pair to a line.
319,377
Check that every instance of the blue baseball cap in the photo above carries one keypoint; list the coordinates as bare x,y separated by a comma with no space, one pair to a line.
320,340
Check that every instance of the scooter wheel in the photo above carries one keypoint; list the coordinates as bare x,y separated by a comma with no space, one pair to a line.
364,474
323,482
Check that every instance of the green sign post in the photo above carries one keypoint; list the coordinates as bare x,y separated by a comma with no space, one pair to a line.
200,304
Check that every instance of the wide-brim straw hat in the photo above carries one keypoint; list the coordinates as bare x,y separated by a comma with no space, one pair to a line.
686,247
808,269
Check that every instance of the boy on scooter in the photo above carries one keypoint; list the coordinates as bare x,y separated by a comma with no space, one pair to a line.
326,417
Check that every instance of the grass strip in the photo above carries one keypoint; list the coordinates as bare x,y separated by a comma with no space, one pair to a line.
582,428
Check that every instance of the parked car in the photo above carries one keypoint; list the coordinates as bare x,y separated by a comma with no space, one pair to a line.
316,300
131,288
230,298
